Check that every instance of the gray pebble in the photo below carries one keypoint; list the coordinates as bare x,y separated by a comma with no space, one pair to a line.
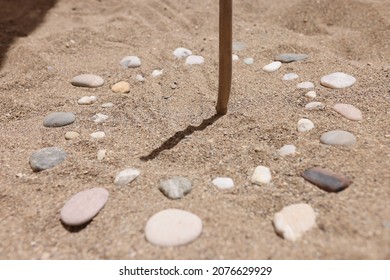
326,179
338,137
291,57
87,80
176,187
46,158
58,119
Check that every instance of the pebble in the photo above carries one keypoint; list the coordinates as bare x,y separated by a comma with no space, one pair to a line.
294,220
235,57
272,67
194,60
71,135
326,180
156,73
291,57
87,80
337,80
261,175
87,100
223,183
248,61
130,62
176,187
315,106
173,227
348,111
98,135
121,87
83,206
140,78
107,105
338,137
305,125
101,154
58,119
99,118
46,158
239,46
126,176
181,52
305,85
290,76
287,150
311,94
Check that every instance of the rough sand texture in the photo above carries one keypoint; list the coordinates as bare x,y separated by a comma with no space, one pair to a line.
175,131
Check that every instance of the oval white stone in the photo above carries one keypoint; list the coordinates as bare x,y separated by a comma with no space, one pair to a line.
87,80
305,125
223,182
98,135
173,227
315,106
338,137
83,206
99,118
101,154
248,61
261,175
181,52
87,100
348,111
337,80
305,85
273,66
311,94
287,150
130,62
126,176
194,60
156,73
290,76
235,57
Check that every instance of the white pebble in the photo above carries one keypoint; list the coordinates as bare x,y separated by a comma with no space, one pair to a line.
248,61
99,118
305,85
287,150
87,100
98,135
140,78
87,80
223,182
261,175
337,80
71,135
305,125
272,67
130,62
311,94
157,73
315,106
348,111
290,76
126,176
235,57
194,60
101,154
181,52
107,105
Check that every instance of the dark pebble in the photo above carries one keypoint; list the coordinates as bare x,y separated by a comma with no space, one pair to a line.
326,180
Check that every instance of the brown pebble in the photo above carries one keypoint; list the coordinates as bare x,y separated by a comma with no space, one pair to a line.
326,180
121,87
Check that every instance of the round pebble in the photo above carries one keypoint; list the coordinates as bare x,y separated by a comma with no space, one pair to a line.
223,183
126,176
58,119
272,67
239,46
248,61
181,52
287,150
348,111
140,78
130,62
173,227
99,118
311,94
101,154
305,85
98,135
176,187
338,137
71,135
235,57
291,57
315,106
46,158
290,76
305,125
87,80
261,175
121,87
87,100
294,220
337,80
107,105
156,73
83,206
194,60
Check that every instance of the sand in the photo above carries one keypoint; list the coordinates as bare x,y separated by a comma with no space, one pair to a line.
166,132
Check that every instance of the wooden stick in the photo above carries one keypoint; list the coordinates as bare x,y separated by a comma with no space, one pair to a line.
225,55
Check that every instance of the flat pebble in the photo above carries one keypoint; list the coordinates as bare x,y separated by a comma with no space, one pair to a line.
46,158
223,183
261,175
107,105
287,150
87,100
272,67
248,61
326,180
290,76
337,80
99,118
156,73
87,80
71,135
294,220
338,137
140,78
311,94
235,57
126,176
348,111
291,57
130,62
315,106
101,154
181,52
98,135
83,206
239,46
305,125
194,60
305,85
173,227
58,119
121,87
176,187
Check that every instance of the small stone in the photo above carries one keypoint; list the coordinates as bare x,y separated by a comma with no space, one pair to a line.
98,135
248,61
176,187
315,106
338,137
235,57
261,175
290,76
173,85
140,78
223,183
126,176
291,57
71,135
181,52
173,227
156,73
46,158
101,154
87,100
337,80
58,119
348,111
326,180
107,105
99,118
305,85
83,206
294,220
272,67
130,62
194,60
121,87
305,125
311,94
287,150
87,80
239,46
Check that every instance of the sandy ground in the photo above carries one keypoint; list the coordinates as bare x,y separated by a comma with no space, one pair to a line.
166,132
